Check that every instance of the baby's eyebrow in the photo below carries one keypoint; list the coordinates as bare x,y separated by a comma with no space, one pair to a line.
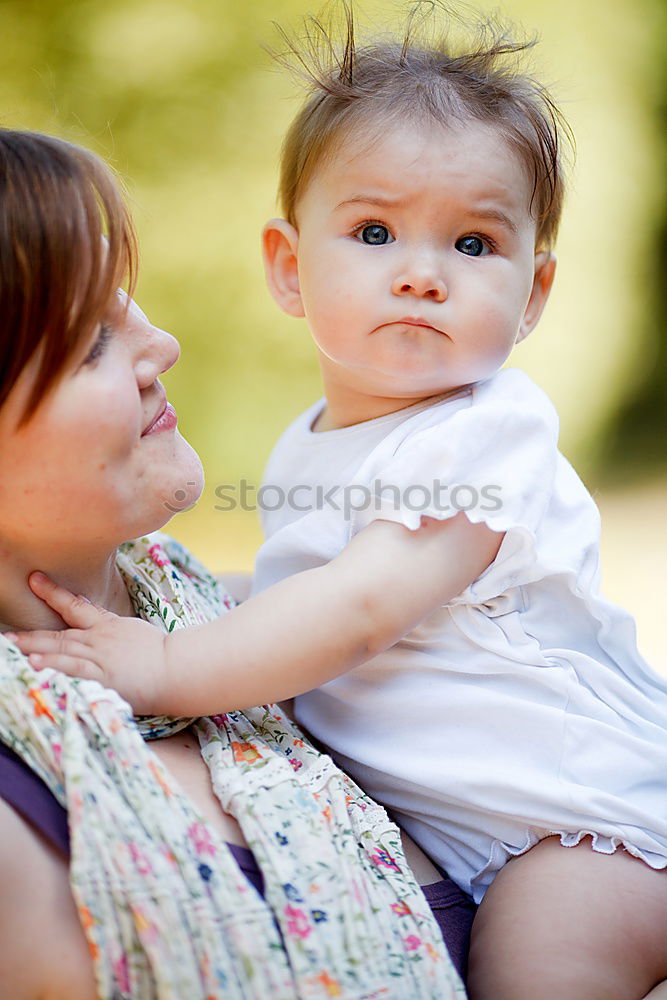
495,215
386,201
383,201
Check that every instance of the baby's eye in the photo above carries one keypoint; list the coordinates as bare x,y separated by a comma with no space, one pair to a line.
375,235
473,246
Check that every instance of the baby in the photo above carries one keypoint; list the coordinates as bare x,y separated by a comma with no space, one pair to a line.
436,610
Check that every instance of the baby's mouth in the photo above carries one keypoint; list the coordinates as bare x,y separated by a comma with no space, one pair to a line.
415,321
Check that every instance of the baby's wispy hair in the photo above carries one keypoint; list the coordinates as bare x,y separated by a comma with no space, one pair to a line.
449,66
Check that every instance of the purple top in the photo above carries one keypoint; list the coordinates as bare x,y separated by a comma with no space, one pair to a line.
28,795
22,789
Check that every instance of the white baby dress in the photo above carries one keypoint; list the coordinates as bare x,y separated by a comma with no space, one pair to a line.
521,708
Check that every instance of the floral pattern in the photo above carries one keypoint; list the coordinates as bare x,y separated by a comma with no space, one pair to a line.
165,908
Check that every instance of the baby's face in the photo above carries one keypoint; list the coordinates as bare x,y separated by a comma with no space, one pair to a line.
416,260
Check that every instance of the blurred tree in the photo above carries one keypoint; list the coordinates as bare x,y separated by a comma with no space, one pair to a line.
634,443
179,96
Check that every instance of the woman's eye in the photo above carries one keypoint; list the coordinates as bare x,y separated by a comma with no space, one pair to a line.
376,235
473,246
98,348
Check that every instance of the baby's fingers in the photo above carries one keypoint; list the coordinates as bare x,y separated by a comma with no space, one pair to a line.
74,610
73,666
58,650
70,642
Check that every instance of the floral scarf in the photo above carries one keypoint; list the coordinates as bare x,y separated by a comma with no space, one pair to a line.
165,908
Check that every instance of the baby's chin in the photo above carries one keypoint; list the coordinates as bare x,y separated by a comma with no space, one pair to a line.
412,385
424,382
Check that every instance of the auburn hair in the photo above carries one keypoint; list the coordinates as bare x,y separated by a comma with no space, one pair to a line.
66,244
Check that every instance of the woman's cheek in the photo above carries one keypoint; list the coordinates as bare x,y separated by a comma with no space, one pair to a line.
119,423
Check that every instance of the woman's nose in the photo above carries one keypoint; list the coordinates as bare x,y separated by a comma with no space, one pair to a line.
421,277
157,353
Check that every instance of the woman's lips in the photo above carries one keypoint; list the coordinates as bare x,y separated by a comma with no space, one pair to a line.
165,420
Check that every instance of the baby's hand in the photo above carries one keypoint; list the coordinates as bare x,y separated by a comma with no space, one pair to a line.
126,654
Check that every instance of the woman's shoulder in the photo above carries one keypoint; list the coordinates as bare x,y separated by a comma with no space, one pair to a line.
43,952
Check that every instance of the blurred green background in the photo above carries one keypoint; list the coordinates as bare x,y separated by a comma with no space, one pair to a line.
181,98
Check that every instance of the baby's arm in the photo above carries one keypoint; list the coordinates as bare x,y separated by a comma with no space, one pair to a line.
292,637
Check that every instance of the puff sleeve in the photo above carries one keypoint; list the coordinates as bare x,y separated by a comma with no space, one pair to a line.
494,458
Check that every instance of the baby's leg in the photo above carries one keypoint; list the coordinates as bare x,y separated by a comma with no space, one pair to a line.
659,993
569,922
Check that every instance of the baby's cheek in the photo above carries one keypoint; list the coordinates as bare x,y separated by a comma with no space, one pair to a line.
500,312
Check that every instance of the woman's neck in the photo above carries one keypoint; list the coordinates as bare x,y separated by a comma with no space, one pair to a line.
97,579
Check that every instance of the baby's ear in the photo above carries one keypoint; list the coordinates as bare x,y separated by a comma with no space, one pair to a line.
545,269
280,242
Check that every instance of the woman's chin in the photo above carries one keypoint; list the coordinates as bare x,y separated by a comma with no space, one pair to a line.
185,488
169,484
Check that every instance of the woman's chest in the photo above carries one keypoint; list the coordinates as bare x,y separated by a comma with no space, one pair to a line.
180,754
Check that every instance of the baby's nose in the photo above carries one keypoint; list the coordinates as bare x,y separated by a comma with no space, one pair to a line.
422,279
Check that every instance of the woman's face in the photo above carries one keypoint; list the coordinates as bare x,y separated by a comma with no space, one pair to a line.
100,461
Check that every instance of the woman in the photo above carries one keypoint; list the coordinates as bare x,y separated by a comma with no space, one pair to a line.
152,902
